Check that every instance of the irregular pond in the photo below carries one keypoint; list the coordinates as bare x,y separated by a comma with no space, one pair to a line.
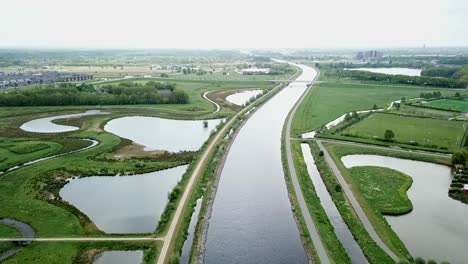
251,218
45,125
123,204
242,97
392,71
119,257
163,134
437,227
341,229
185,256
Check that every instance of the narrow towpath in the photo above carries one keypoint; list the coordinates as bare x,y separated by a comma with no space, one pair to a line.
218,107
355,204
83,239
316,240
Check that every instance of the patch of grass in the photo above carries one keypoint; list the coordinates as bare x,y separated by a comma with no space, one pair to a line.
425,132
332,98
15,152
335,249
79,252
7,231
449,104
384,189
27,147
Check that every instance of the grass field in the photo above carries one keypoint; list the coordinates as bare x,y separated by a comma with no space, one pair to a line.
79,252
333,98
383,188
410,130
449,104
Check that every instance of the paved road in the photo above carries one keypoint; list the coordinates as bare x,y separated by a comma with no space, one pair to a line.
218,107
318,245
355,204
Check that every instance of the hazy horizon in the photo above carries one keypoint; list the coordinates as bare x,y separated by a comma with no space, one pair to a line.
211,24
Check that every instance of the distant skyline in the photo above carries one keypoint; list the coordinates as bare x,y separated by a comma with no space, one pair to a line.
206,24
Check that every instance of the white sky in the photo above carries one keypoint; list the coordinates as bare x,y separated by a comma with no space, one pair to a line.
233,24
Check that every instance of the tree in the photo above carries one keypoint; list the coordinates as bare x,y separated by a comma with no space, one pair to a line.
459,158
457,94
354,115
205,123
347,117
389,135
375,107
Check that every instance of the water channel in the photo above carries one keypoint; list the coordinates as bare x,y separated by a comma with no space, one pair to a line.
46,125
242,97
437,227
252,220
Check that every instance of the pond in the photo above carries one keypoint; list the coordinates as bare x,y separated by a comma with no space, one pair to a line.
242,97
45,125
163,134
119,257
437,227
392,71
123,204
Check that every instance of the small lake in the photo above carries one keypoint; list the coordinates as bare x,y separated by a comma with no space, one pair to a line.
45,125
119,257
163,134
242,97
392,71
437,227
123,204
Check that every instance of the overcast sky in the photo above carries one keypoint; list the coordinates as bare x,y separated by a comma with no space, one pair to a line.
233,24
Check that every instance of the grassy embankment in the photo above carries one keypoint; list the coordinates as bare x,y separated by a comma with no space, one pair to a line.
80,252
448,104
7,231
333,246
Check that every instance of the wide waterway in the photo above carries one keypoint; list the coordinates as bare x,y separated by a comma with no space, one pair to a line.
252,220
437,227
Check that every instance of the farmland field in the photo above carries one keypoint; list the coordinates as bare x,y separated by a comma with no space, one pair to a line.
424,131
450,104
331,99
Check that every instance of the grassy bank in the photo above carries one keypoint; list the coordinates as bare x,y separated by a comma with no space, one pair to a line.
372,251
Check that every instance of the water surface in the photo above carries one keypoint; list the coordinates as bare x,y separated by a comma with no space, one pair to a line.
251,219
185,257
119,257
45,125
242,97
163,134
123,204
437,227
392,71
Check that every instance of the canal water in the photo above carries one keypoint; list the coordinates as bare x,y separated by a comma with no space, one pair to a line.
252,220
437,227
163,134
123,204
392,71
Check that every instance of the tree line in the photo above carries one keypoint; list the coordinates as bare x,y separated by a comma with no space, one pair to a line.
89,94
401,79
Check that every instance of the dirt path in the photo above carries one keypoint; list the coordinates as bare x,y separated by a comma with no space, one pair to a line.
218,107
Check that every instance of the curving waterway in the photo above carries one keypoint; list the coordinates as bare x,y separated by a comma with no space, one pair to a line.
251,218
46,125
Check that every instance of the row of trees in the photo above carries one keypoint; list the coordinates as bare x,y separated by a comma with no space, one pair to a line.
401,79
436,94
88,94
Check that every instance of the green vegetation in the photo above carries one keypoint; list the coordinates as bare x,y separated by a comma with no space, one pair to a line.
372,251
460,178
415,131
79,252
18,151
334,248
7,231
448,104
332,98
125,93
384,189
401,79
